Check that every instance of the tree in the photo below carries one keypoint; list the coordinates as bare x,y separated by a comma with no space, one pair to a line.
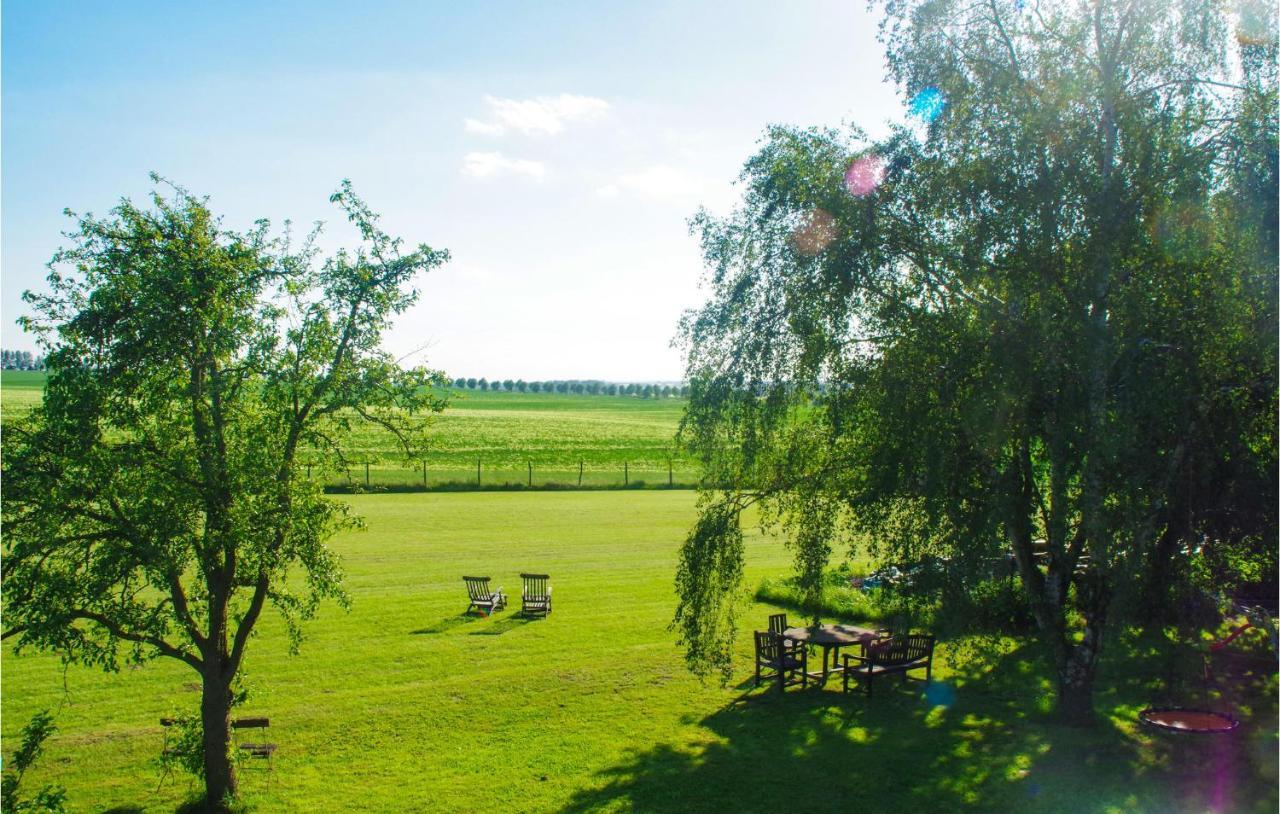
1045,311
459,383
522,385
483,384
535,387
471,383
508,385
154,504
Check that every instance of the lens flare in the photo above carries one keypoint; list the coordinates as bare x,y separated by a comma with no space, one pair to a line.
864,175
815,234
940,694
927,105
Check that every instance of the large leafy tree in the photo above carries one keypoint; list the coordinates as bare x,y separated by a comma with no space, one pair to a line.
1043,312
154,506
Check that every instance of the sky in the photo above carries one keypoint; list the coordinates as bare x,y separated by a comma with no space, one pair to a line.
556,149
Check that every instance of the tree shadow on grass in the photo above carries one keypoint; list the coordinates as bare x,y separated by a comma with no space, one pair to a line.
448,623
979,741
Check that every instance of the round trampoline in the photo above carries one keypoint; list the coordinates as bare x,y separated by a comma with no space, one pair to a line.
1178,719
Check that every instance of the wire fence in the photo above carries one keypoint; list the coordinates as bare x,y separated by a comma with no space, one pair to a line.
480,476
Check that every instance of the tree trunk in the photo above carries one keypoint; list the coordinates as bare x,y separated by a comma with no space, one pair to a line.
1077,664
1075,691
215,715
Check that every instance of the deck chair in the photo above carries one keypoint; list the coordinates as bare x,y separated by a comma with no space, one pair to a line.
789,666
254,751
482,599
535,598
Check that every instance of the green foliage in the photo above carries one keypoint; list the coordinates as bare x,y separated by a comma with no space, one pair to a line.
1047,311
49,799
184,745
708,581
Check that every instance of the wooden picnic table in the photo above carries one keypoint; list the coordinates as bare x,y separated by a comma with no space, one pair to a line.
829,638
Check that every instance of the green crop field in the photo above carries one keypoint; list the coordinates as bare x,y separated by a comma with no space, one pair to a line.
403,704
517,438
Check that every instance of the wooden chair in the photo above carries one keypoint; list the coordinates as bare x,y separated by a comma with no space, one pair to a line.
778,624
254,751
789,666
535,597
896,655
482,599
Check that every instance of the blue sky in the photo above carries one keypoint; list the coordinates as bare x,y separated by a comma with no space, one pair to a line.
556,149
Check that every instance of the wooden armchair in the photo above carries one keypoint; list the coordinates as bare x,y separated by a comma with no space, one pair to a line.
535,597
896,655
482,599
778,624
789,666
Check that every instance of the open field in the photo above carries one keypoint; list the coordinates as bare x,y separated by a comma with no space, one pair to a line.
404,705
617,439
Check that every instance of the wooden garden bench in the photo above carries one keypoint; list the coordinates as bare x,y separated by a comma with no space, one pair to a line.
483,599
896,655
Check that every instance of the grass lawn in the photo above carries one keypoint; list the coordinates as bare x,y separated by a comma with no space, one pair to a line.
404,705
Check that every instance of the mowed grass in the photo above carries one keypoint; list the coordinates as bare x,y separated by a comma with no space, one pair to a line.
402,704
615,439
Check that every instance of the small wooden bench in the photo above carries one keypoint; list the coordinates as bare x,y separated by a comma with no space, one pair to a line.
896,655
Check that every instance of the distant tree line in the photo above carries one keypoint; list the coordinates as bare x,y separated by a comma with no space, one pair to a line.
20,360
591,387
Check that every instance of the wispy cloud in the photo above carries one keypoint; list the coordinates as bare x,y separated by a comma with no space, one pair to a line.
539,116
490,165
659,182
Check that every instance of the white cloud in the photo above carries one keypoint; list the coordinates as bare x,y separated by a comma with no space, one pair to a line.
489,165
483,128
539,116
662,182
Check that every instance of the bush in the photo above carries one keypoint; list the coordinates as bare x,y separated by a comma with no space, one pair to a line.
918,598
838,601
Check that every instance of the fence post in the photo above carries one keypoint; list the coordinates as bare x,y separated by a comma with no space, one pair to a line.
579,473
669,483
531,473
308,471
424,473
366,474
626,475
477,471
